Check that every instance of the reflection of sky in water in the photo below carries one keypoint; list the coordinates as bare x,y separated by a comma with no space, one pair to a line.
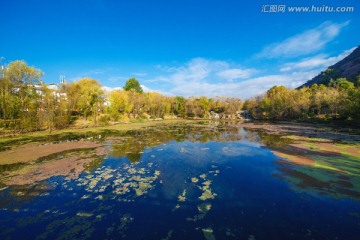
177,190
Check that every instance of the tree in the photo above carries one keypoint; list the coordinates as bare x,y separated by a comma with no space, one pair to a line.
204,104
179,106
233,105
132,83
49,102
342,84
328,75
24,79
317,97
7,98
72,93
19,94
86,96
334,99
119,104
300,102
137,102
279,97
251,105
353,104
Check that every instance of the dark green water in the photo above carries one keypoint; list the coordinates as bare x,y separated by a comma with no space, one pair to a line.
181,182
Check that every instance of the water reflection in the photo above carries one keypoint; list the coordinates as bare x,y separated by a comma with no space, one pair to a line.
209,181
133,144
319,181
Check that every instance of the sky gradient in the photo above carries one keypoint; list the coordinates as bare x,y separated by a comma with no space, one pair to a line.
189,48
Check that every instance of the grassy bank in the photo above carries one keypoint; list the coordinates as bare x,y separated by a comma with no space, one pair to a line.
19,139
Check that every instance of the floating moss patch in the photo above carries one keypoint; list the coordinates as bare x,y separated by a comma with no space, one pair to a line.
207,194
206,191
203,209
181,197
177,206
203,176
194,180
143,188
84,214
208,233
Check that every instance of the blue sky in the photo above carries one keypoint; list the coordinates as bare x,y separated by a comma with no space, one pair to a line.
178,47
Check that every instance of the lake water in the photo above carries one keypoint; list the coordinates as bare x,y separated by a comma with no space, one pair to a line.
182,182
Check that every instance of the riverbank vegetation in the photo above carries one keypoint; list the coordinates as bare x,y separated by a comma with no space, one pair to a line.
339,100
27,104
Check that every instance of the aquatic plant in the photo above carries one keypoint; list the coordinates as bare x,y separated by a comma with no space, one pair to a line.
208,233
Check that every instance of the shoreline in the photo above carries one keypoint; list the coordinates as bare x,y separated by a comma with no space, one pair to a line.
307,145
28,137
279,127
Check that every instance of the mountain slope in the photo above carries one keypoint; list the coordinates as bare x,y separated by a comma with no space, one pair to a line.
348,68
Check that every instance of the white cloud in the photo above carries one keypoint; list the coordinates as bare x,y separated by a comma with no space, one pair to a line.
319,61
139,74
202,77
109,89
196,70
304,43
244,89
236,73
199,69
147,89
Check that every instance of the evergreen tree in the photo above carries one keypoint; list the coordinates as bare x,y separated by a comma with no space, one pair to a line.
132,83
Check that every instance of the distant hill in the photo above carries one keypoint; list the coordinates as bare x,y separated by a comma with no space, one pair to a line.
348,68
